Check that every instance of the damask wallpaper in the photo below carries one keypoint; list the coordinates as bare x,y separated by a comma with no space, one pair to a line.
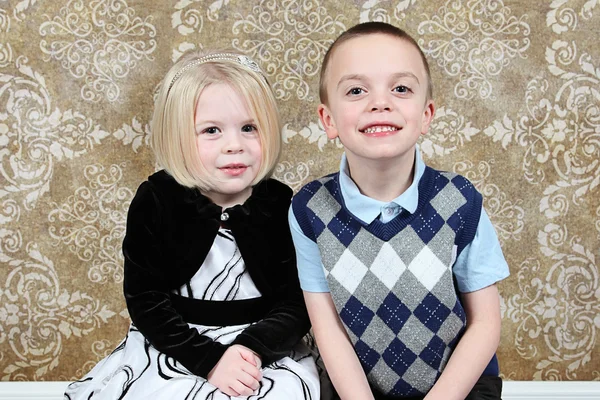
517,88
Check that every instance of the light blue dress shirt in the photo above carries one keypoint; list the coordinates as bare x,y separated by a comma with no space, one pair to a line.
480,264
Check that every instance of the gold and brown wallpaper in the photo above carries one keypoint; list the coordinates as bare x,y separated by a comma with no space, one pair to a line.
517,88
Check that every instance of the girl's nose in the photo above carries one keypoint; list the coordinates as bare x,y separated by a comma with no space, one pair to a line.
233,145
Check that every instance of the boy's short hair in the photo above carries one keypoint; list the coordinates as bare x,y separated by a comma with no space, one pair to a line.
173,124
364,29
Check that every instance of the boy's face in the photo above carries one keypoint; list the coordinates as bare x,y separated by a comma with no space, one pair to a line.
377,95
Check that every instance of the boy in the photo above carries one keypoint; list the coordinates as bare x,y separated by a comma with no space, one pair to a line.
398,262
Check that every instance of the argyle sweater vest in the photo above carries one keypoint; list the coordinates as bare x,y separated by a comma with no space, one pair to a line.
392,283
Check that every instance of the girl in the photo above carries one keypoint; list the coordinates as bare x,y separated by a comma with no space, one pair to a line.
210,277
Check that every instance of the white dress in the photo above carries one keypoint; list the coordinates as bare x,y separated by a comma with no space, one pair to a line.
136,370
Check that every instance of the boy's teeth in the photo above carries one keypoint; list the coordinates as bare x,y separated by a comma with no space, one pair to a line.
375,129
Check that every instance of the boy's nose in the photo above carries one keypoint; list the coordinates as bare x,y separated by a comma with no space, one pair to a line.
380,107
380,103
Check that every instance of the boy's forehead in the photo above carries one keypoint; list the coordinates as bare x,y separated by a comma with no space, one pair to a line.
374,52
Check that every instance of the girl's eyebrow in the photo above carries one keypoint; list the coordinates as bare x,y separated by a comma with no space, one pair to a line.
360,77
249,121
204,123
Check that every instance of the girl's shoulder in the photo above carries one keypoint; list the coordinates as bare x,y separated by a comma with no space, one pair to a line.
273,188
169,191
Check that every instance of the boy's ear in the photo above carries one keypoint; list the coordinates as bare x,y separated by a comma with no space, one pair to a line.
327,121
428,113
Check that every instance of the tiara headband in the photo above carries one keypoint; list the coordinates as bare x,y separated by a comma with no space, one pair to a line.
242,60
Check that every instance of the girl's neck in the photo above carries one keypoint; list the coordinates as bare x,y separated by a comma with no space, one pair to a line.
228,200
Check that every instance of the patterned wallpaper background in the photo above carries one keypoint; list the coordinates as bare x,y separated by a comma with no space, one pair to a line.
517,86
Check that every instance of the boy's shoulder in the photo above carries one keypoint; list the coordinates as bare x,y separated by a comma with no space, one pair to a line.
309,190
440,178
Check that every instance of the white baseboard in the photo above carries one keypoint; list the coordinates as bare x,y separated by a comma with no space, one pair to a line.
513,390
525,390
32,390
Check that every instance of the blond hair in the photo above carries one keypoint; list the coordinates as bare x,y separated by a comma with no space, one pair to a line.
173,132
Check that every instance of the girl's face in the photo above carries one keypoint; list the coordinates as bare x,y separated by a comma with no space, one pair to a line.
228,144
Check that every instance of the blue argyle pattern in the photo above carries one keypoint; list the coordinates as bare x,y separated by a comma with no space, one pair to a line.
392,283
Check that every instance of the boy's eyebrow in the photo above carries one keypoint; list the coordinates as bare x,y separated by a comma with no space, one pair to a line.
360,77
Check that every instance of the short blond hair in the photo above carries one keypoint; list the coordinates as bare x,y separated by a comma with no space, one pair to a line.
173,128
365,29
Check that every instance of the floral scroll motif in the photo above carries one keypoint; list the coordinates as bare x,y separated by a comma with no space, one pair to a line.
33,136
563,131
372,11
189,17
474,40
289,39
20,7
91,224
447,133
6,53
314,132
598,221
293,175
100,349
99,42
10,211
135,135
562,18
506,215
36,316
559,310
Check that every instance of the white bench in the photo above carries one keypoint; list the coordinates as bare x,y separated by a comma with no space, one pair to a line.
513,390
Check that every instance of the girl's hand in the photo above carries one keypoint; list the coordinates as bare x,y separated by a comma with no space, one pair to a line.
254,359
237,373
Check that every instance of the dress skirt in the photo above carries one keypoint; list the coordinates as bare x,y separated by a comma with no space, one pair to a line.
136,370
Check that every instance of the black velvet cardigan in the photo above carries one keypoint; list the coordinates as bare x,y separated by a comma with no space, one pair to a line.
170,230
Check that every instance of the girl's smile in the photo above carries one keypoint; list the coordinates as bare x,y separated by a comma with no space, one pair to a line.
234,169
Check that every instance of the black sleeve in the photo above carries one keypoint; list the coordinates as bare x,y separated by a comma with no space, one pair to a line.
273,337
146,288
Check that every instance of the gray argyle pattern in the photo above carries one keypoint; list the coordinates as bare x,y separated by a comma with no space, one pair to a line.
396,297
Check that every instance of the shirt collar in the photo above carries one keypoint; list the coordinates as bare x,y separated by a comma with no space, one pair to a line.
367,209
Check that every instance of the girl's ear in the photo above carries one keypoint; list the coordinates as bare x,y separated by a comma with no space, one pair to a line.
327,121
428,114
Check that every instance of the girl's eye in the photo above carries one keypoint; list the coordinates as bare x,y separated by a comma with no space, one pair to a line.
249,128
402,89
211,131
355,91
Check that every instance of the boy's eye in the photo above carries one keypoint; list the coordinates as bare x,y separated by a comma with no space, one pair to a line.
402,89
355,91
248,128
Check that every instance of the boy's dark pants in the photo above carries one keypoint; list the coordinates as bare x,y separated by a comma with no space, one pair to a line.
486,388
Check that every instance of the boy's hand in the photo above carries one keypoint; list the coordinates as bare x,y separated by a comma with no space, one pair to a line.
237,373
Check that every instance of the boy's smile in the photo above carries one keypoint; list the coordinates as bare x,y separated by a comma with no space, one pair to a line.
379,129
377,95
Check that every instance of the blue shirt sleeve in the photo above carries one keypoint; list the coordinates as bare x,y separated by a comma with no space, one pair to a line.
481,263
310,267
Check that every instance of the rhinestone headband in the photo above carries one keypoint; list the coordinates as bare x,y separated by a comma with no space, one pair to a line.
242,60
